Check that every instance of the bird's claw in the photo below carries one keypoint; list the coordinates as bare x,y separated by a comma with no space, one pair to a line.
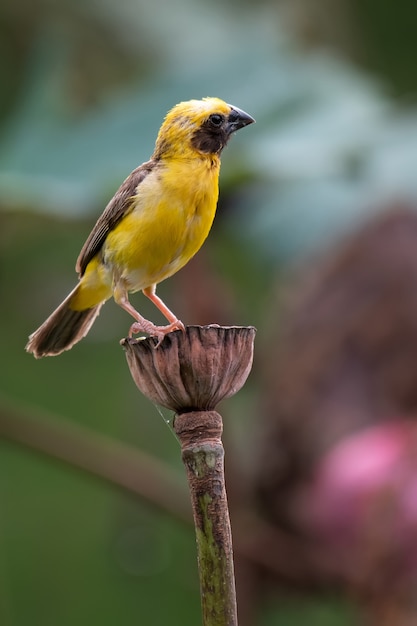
156,331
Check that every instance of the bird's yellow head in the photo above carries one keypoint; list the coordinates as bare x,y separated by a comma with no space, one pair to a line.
199,126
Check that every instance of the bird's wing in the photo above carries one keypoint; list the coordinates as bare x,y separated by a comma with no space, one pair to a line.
119,206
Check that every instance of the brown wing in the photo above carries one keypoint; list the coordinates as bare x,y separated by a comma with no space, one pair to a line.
117,208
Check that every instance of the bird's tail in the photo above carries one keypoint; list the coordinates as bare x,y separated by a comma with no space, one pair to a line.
63,328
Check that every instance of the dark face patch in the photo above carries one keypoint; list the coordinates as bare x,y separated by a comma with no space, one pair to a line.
213,134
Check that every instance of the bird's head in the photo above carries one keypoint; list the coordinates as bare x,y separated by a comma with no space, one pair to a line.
199,126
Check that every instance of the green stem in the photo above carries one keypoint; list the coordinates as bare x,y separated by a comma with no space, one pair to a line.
203,455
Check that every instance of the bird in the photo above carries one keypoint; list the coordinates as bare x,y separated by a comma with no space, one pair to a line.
155,223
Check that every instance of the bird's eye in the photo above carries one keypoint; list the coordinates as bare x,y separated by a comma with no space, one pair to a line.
216,119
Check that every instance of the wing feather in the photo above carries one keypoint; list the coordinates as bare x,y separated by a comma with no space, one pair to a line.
119,206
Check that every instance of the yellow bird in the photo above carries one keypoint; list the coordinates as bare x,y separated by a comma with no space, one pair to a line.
157,220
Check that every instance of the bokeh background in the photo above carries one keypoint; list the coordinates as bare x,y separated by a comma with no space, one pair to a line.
315,243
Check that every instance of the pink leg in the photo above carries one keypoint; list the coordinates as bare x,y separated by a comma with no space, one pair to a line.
150,293
142,324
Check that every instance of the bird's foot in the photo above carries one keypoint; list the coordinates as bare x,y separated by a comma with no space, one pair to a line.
155,331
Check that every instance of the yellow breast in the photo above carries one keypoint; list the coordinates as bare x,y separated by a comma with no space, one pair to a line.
173,212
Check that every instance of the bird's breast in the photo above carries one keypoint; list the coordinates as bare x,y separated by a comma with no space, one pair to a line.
171,217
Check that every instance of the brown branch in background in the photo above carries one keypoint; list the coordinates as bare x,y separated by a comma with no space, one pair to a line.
141,474
101,456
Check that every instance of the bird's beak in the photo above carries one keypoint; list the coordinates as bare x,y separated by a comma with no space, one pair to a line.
238,119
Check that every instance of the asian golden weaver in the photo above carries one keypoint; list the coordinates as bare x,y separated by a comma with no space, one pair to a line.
157,220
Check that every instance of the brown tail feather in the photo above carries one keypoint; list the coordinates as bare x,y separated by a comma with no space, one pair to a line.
63,328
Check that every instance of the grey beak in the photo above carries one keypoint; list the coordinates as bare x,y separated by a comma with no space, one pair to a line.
238,119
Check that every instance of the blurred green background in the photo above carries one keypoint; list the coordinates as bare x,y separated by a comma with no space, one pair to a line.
84,87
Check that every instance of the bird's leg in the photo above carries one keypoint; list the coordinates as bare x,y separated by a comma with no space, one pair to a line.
142,324
150,293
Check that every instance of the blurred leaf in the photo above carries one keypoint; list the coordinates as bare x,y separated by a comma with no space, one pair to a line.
328,146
